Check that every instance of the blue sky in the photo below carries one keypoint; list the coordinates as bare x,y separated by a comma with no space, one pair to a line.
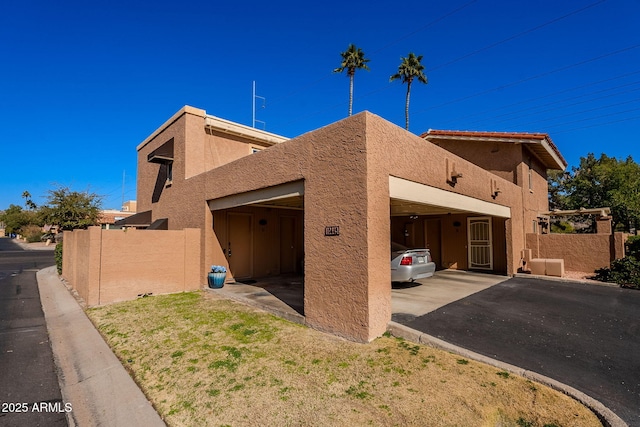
83,83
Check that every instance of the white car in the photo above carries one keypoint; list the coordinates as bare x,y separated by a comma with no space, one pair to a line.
408,265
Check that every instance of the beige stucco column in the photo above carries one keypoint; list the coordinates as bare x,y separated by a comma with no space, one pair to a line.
603,225
347,280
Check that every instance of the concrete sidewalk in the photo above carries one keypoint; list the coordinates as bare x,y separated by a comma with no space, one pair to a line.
92,379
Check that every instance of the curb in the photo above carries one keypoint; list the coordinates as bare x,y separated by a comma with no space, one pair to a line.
91,377
606,415
34,246
565,280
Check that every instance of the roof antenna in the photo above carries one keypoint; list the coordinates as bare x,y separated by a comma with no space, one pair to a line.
264,104
123,177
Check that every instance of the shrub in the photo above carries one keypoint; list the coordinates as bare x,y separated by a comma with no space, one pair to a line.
632,247
564,227
31,233
58,255
625,272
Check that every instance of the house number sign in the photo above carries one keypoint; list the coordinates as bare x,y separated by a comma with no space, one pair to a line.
333,230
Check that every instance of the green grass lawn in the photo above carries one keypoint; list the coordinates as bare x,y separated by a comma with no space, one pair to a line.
205,361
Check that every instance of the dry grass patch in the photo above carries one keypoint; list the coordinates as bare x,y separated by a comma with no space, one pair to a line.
204,361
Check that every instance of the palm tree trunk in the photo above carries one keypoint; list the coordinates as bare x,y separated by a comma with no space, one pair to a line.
406,106
350,93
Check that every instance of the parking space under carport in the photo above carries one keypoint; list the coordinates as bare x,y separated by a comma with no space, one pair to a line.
462,232
261,233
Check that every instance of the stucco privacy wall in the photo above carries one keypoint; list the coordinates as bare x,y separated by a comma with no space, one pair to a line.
581,252
81,262
106,266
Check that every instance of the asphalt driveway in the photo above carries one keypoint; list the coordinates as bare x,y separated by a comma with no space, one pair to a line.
586,336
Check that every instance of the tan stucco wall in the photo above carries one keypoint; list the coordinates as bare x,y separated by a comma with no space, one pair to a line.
581,252
106,266
81,262
511,162
619,240
500,158
535,200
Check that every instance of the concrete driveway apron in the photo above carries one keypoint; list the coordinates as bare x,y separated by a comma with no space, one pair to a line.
586,336
410,300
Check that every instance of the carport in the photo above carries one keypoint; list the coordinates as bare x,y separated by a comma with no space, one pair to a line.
461,232
261,234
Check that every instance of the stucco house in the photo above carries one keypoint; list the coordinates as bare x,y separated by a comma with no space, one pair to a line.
108,217
328,204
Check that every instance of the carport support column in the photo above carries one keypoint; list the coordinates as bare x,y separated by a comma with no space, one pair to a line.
346,237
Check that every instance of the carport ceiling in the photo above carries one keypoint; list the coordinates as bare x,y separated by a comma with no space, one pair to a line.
404,208
412,198
398,207
296,203
289,195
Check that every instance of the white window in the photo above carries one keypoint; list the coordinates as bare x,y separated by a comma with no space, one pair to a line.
169,172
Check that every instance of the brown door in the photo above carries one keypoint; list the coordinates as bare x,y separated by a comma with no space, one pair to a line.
287,245
239,246
433,239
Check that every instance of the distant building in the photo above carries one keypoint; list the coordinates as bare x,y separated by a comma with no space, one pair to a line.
108,217
130,206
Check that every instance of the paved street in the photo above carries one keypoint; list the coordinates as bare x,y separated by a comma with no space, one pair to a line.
29,391
586,336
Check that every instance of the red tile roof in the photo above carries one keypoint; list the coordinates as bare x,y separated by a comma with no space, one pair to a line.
106,217
519,135
498,135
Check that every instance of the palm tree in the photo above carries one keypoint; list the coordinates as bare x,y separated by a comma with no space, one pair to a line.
410,68
352,60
